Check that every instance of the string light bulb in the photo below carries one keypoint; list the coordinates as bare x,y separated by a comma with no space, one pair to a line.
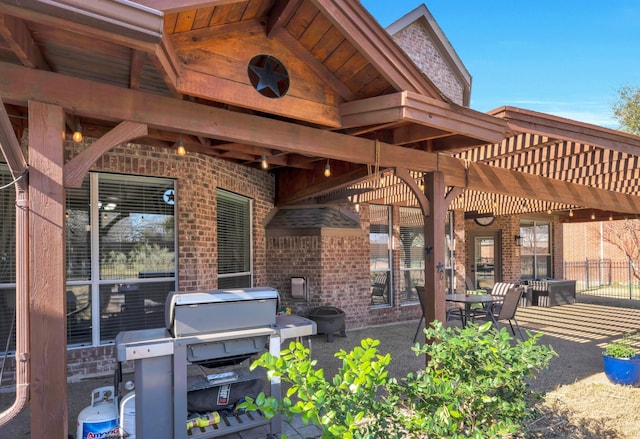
181,150
327,169
593,215
263,162
77,134
571,213
610,217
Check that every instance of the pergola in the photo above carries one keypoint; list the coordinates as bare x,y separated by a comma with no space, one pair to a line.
298,83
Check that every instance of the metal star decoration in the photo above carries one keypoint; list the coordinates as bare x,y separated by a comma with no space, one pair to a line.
269,77
440,267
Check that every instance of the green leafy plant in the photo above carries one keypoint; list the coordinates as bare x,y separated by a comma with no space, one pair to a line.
474,385
345,407
623,348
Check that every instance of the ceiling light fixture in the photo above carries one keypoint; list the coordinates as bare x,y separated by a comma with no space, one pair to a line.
77,134
263,162
181,150
327,169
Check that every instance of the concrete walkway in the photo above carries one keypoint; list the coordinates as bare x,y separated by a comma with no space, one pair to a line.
577,332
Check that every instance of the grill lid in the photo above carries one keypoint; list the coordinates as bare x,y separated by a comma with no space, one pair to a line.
196,312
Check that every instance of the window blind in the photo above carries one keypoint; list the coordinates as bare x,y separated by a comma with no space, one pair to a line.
234,240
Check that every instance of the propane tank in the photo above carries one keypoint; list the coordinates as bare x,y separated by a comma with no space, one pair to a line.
100,419
128,415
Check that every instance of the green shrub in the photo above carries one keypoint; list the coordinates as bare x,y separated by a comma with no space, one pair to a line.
473,386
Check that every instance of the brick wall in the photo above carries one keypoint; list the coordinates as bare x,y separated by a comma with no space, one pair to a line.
198,176
336,267
417,43
582,241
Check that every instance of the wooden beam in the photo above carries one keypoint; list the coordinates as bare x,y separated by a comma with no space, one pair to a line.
117,21
294,185
18,38
513,145
566,129
280,15
126,23
434,284
76,168
102,101
164,58
314,64
374,43
404,175
220,89
412,133
10,147
171,6
48,321
138,59
411,107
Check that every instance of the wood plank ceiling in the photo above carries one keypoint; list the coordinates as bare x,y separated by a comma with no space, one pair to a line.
345,75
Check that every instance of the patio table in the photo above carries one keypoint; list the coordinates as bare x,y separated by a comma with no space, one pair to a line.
472,299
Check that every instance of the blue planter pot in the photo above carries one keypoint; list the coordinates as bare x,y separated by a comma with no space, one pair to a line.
625,371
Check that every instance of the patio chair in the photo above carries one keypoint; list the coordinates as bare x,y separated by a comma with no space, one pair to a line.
507,311
471,287
379,289
453,312
499,289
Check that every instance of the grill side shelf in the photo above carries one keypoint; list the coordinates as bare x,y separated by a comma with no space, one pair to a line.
231,423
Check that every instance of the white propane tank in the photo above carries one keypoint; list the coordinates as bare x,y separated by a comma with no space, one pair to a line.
128,415
100,419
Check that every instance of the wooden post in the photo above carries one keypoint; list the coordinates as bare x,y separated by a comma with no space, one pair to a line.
434,243
49,412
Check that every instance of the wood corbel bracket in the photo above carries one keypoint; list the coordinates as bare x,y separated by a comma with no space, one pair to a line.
76,168
404,175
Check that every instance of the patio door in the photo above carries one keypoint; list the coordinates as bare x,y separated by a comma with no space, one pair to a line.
484,263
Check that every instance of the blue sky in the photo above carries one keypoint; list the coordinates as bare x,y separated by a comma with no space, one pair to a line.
562,57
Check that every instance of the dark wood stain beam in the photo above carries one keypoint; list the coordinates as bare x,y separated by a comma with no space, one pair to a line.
19,84
18,38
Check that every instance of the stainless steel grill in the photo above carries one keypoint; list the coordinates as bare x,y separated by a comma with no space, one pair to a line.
207,334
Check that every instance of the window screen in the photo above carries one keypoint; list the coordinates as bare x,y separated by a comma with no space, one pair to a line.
120,255
535,250
136,249
411,252
380,254
234,240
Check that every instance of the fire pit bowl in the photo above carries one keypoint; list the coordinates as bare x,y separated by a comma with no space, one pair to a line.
329,320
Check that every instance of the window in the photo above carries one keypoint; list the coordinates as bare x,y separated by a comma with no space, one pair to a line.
536,250
234,240
450,248
7,257
411,253
380,254
120,255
